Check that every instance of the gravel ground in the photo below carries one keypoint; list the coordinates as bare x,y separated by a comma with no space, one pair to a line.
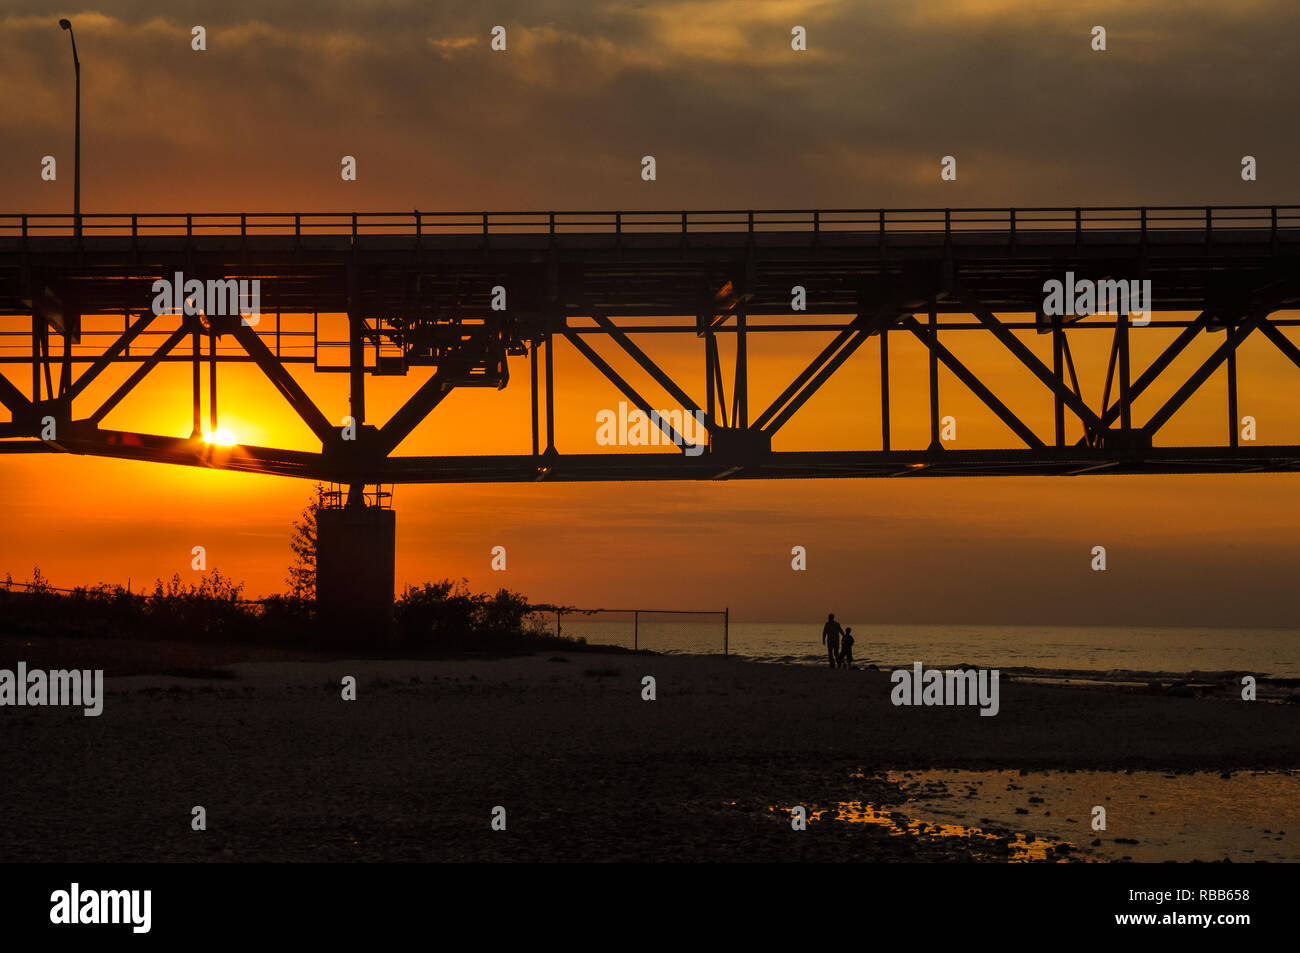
587,770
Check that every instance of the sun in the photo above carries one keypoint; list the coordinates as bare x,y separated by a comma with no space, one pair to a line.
221,437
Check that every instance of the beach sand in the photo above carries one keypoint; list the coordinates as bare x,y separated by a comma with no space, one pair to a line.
586,769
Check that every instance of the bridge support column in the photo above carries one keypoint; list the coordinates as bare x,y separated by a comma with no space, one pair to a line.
355,547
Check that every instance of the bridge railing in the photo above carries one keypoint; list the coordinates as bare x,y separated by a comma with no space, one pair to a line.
1008,221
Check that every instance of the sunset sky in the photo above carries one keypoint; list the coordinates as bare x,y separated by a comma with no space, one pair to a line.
735,119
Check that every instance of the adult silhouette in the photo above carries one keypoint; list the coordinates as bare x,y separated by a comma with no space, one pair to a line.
831,633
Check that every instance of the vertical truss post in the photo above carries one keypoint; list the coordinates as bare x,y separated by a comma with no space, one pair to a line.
532,352
1125,395
356,346
550,393
357,371
45,359
212,380
884,388
197,388
36,358
740,397
1232,393
65,369
1058,375
710,359
933,341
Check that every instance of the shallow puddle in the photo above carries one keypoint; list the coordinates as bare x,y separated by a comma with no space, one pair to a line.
1150,816
1022,847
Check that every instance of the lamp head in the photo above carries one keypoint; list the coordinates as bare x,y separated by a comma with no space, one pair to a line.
65,23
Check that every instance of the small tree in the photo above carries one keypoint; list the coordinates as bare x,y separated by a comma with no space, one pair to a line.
39,584
302,573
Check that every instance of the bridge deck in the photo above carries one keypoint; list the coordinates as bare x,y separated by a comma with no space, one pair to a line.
648,272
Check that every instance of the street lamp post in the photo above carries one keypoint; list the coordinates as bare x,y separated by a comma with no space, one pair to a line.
76,158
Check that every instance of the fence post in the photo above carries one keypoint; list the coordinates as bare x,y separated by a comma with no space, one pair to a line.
558,613
636,624
726,626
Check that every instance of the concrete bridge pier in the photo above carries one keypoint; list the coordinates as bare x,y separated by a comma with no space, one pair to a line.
355,549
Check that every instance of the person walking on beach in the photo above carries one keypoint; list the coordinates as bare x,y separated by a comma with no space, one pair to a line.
846,649
831,633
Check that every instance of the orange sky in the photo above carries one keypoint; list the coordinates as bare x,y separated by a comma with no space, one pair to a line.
1010,548
437,121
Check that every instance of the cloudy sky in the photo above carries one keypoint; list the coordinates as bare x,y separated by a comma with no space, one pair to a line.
735,118
710,87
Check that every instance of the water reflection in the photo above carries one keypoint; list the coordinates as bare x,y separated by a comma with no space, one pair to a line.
1150,816
1020,847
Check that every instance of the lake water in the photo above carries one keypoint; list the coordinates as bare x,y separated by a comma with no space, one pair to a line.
1096,649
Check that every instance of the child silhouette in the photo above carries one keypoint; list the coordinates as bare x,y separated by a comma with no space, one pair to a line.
846,649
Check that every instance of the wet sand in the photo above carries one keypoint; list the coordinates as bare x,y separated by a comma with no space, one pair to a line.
586,769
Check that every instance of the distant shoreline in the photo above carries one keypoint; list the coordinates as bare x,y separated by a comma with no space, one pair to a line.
118,657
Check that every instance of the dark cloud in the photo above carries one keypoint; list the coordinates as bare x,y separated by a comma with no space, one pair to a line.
710,88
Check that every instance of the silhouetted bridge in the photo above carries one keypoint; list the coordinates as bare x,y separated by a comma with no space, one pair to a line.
418,291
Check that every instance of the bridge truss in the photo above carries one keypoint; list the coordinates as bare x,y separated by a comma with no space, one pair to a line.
419,291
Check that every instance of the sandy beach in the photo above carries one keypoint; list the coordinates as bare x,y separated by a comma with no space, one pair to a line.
587,770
